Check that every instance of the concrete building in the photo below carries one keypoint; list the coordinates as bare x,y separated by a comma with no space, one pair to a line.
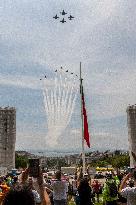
7,137
131,121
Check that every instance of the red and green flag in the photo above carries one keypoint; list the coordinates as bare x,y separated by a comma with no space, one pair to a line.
85,121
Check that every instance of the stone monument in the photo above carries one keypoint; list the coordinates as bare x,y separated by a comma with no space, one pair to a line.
7,137
131,121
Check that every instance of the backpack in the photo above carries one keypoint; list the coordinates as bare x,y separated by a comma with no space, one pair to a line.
113,191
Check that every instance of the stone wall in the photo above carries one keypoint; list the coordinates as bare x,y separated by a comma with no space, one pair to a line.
7,137
131,121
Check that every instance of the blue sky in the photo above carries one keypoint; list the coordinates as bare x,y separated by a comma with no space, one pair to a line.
102,36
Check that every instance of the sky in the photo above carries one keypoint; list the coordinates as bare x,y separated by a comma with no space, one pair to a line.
32,44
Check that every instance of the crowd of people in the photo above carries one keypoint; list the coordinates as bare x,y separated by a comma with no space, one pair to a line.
118,189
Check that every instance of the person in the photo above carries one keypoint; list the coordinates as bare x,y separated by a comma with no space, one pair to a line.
14,180
74,185
4,189
96,186
84,191
60,190
110,191
23,195
19,195
128,192
70,188
34,191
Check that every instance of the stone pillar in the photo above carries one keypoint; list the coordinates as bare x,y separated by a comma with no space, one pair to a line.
7,137
131,121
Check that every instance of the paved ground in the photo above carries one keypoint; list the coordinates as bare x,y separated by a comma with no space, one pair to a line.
73,203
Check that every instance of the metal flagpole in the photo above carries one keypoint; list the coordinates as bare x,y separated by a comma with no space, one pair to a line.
83,149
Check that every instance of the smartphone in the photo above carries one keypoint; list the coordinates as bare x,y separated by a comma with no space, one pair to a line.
34,167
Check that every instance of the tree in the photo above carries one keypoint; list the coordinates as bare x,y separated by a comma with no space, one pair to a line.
20,161
120,161
117,161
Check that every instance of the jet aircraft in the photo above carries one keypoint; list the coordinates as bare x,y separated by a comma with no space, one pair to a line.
56,17
63,13
63,21
71,17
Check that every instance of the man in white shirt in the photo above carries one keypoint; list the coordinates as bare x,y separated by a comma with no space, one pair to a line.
60,189
129,192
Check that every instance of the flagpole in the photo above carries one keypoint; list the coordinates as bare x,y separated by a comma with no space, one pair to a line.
81,94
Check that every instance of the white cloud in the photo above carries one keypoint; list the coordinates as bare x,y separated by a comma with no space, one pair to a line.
108,141
112,90
20,81
29,140
39,141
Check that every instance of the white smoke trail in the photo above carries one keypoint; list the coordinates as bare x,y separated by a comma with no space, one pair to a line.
59,103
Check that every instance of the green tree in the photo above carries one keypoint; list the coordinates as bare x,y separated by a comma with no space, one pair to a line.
20,161
120,161
117,161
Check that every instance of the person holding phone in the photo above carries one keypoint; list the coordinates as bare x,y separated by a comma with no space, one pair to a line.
23,195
